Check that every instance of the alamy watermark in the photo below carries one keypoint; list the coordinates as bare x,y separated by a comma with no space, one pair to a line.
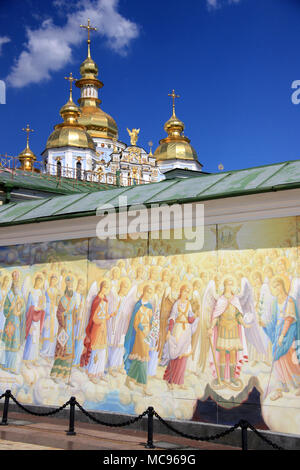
162,221
2,92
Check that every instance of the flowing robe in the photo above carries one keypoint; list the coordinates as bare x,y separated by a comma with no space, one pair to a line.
136,354
182,325
168,300
285,321
95,342
193,363
64,350
117,327
3,294
14,330
49,333
228,335
34,324
80,301
153,338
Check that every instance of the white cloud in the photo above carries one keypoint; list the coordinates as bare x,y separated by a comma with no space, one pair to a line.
214,4
3,40
49,48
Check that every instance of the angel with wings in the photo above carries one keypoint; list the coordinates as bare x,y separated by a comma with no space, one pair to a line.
14,327
121,305
283,329
95,341
35,316
224,317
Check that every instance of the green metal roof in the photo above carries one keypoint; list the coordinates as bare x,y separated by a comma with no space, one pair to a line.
47,183
266,178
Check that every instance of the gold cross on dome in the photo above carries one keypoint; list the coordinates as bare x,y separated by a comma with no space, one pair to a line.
89,28
28,130
71,80
174,96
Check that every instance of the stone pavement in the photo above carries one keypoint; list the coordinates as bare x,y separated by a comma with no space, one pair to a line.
27,432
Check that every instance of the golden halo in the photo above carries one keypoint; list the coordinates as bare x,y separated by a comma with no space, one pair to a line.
115,268
228,276
196,279
144,284
286,281
124,278
259,273
187,284
285,260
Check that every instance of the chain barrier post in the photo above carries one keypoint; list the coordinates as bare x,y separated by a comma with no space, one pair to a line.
150,413
71,431
5,409
244,427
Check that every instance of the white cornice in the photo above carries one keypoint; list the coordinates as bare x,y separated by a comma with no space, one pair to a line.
232,209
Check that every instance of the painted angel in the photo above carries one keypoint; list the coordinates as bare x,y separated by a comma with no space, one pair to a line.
121,305
226,335
35,316
257,341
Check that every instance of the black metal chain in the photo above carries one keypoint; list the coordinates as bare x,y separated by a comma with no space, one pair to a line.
196,438
146,412
113,425
275,446
39,414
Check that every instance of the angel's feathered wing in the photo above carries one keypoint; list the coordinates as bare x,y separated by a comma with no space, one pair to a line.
130,302
196,338
253,334
208,304
266,300
295,291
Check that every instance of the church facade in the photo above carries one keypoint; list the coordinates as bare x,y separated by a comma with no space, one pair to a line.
85,145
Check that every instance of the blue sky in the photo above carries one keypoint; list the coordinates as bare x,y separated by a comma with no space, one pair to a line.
231,61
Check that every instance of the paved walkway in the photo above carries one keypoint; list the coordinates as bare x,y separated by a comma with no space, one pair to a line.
26,432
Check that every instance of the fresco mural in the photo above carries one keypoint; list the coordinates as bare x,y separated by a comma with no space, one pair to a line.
124,324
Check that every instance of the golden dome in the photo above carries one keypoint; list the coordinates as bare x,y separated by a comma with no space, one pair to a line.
27,157
88,68
70,133
175,146
97,122
173,150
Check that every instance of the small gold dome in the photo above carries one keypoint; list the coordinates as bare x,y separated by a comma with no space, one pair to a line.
27,157
88,68
175,146
70,133
173,150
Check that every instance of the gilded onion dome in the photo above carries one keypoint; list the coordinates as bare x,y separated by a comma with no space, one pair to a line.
175,145
97,122
27,157
70,133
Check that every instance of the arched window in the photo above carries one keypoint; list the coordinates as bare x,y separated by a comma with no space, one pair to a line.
58,168
78,170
